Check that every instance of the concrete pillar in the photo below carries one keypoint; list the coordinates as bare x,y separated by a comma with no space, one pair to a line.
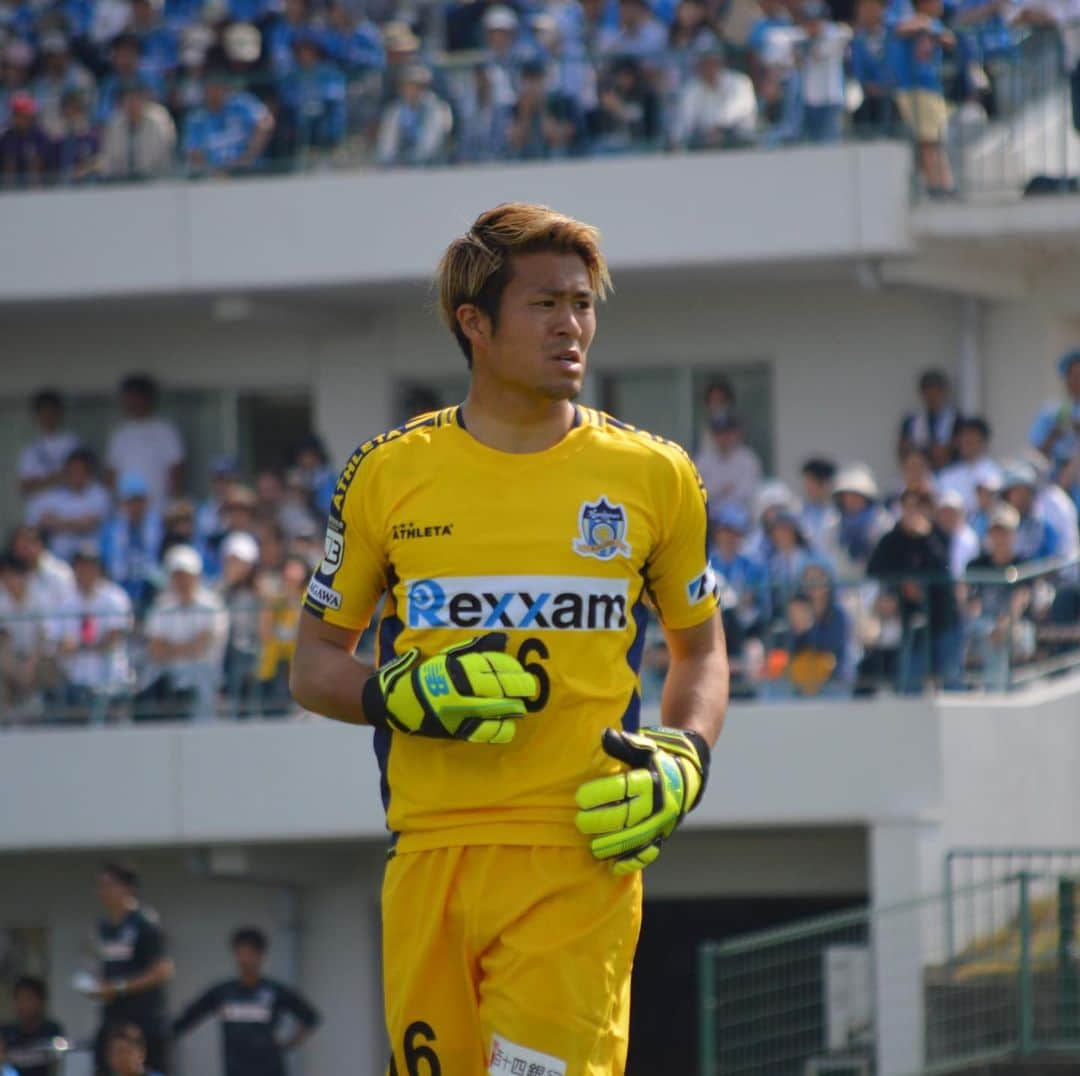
969,379
903,867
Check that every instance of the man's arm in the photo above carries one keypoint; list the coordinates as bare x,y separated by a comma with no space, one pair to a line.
696,689
197,1011
158,974
325,677
305,1014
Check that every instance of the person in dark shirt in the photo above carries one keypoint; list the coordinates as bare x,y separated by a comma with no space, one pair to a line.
915,548
134,966
31,1040
251,1008
125,1052
26,151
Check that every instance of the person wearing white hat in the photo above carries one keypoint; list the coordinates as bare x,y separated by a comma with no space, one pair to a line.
1036,536
863,519
239,565
963,541
186,631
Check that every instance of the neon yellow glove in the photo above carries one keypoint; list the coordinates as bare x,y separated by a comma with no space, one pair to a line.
629,815
473,691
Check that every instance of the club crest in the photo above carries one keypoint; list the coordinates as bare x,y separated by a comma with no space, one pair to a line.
602,531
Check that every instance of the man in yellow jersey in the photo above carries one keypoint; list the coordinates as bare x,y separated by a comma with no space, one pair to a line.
519,540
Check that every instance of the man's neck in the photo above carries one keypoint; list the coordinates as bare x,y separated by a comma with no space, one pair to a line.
512,422
117,915
251,981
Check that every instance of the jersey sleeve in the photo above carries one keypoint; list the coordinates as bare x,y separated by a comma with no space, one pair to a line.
350,579
680,580
298,1007
150,947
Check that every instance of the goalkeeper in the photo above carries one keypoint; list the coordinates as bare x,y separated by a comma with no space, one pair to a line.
518,540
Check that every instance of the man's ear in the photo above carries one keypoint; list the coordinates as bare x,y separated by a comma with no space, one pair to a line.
474,323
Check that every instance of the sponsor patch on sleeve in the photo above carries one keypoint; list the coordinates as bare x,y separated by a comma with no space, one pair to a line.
323,595
702,585
510,1059
333,548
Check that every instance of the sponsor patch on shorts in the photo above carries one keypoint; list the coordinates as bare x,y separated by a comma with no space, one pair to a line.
510,1059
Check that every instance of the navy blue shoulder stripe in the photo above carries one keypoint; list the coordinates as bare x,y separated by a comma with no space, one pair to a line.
348,472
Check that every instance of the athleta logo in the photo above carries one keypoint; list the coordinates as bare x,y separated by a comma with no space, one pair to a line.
603,530
400,531
536,602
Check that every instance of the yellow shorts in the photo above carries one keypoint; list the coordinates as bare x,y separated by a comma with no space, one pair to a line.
925,112
508,961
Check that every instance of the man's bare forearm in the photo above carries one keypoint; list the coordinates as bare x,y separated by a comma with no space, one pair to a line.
328,680
696,693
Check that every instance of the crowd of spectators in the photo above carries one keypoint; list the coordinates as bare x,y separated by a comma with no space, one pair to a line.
136,89
843,587
118,594
121,596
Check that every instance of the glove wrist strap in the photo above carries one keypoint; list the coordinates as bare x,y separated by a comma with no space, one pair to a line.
375,711
704,754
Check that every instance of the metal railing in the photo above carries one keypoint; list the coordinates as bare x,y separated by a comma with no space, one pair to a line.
1004,126
876,990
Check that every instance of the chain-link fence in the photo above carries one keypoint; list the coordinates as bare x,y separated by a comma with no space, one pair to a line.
983,971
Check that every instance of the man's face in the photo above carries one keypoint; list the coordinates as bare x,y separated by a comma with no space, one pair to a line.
1002,543
29,1008
727,541
125,1058
76,474
532,88
87,573
111,892
499,41
634,14
546,322
184,585
934,396
48,417
22,121
1072,380
949,518
815,490
132,103
869,14
217,92
970,444
913,512
56,63
709,68
727,440
249,961
26,545
135,508
134,403
307,56
1020,497
125,60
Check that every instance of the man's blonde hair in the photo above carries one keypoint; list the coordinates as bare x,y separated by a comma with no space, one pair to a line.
476,266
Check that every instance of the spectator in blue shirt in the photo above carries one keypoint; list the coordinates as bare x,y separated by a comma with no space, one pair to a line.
229,134
1056,429
280,34
126,66
639,33
131,541
916,45
1036,536
355,44
60,73
870,66
78,144
158,40
313,96
26,151
826,632
484,115
818,516
745,575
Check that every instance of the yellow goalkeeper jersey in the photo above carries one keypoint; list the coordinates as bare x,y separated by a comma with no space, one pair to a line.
561,550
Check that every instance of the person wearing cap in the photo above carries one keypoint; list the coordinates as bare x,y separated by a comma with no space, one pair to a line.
131,541
210,526
1056,429
933,426
415,126
639,33
821,63
789,557
97,624
126,65
999,629
1058,507
140,137
973,463
145,441
744,574
230,133
278,36
41,462
27,157
1036,536
74,510
717,107
818,516
312,97
238,589
963,541
60,72
629,112
352,39
186,630
732,471
16,60
912,562
863,519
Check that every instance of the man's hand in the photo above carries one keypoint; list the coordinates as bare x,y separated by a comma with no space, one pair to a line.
474,691
629,815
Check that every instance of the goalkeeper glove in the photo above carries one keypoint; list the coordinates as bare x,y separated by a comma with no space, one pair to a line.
473,691
630,814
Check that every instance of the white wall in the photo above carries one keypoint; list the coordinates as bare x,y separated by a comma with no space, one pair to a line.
373,227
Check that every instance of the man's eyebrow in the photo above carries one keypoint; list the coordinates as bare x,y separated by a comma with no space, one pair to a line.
558,293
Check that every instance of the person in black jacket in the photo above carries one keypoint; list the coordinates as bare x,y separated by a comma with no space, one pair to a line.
912,560
31,1040
251,1008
